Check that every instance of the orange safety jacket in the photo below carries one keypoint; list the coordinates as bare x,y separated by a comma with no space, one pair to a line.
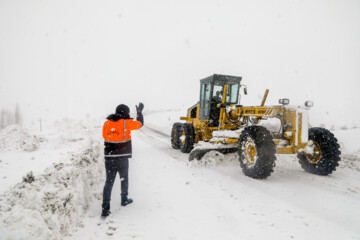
119,131
117,135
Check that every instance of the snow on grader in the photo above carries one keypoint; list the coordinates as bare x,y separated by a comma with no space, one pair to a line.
218,122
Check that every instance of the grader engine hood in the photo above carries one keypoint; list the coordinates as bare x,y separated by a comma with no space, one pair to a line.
296,125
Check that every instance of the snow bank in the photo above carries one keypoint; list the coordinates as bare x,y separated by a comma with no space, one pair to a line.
48,205
14,137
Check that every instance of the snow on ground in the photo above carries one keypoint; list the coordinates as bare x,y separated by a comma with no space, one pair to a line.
348,139
173,198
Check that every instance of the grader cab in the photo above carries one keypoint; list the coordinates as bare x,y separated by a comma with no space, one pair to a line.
218,122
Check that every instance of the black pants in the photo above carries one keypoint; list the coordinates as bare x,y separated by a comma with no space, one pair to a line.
114,165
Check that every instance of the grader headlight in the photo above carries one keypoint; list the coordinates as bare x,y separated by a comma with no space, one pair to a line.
284,101
309,103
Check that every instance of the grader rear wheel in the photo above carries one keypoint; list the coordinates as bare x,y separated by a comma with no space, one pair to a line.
256,152
187,137
175,135
250,152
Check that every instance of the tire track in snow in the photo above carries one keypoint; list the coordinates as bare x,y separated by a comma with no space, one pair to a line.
161,141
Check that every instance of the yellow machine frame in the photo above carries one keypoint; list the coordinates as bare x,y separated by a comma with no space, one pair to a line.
292,138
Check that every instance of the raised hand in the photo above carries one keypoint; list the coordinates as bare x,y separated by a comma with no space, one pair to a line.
140,107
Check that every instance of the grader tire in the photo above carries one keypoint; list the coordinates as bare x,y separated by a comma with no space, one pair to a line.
187,138
175,135
256,152
327,156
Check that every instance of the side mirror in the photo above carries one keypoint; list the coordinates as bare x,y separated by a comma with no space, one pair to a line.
245,88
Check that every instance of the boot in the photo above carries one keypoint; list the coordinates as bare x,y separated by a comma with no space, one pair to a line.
105,209
125,201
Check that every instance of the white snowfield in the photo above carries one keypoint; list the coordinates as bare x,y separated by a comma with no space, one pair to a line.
173,198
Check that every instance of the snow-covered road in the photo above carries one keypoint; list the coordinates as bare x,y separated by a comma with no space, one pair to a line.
175,199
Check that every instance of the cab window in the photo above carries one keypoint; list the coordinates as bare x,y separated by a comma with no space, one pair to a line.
217,93
232,93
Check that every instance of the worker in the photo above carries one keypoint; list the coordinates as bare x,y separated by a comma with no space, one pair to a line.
117,135
214,110
217,97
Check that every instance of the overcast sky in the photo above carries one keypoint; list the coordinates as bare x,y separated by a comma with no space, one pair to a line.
69,58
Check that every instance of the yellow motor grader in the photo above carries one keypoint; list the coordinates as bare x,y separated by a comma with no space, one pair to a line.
218,122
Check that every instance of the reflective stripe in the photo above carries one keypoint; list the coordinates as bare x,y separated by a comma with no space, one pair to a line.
119,155
124,129
117,141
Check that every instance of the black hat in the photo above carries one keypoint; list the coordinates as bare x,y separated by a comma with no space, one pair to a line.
123,111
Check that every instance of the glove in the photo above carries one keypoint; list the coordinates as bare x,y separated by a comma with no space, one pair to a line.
139,108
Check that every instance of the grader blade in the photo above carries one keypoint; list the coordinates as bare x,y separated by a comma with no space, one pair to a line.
198,153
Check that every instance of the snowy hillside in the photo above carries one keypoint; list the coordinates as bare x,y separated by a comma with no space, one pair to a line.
173,198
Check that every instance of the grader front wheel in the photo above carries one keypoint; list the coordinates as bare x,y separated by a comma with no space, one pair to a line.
316,155
326,154
256,152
